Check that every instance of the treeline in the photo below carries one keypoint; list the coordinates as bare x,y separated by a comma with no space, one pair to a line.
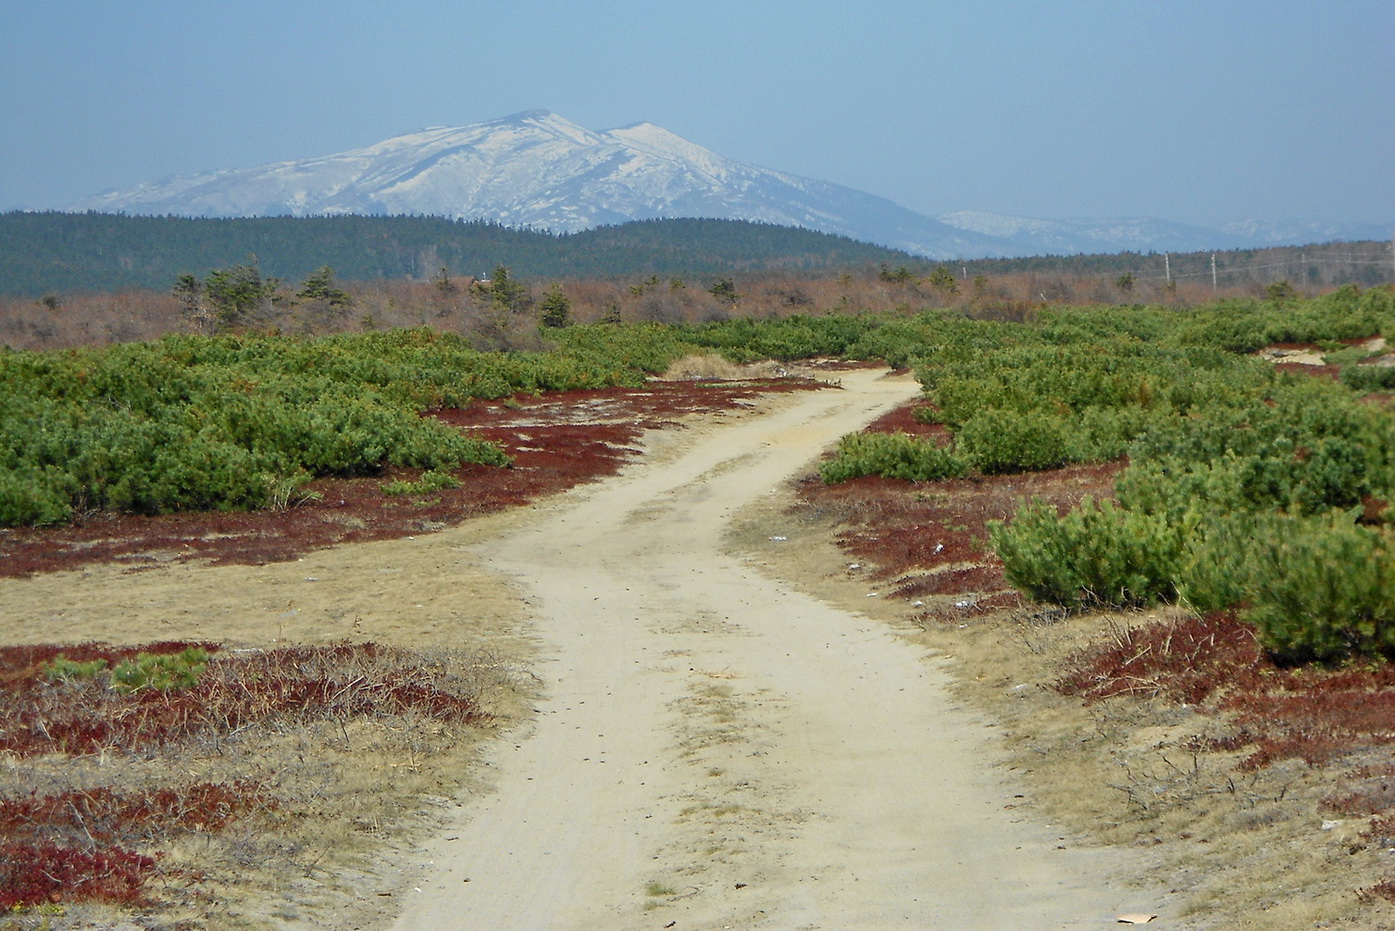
58,253
65,253
243,297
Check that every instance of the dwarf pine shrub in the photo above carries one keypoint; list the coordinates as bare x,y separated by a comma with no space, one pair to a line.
1214,571
1097,554
62,668
429,482
1369,377
997,441
891,455
163,671
1321,588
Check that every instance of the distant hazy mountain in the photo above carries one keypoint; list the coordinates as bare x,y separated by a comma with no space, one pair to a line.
1028,236
1260,233
538,170
1043,237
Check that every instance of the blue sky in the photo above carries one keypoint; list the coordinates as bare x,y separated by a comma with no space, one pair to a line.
1191,111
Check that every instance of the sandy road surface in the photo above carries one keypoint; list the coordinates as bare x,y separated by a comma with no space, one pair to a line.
717,750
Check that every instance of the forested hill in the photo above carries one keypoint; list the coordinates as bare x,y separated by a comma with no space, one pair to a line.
42,253
56,253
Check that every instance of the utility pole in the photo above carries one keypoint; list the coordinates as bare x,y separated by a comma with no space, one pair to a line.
1167,264
1213,273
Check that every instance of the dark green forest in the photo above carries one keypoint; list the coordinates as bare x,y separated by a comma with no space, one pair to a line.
43,253
60,253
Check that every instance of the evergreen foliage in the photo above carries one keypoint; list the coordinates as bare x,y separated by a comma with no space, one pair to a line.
239,296
891,455
43,253
1245,489
724,290
507,293
555,312
1097,554
319,286
233,422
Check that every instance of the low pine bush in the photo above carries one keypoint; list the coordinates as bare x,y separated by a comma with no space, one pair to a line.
32,497
1369,377
1321,588
428,483
62,668
891,455
998,441
1095,555
163,671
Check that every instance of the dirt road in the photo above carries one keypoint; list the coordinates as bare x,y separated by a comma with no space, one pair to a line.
717,750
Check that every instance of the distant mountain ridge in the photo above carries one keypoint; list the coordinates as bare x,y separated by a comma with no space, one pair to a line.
1148,234
537,170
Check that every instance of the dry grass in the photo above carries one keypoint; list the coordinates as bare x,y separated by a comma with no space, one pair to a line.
129,316
273,814
712,367
1254,846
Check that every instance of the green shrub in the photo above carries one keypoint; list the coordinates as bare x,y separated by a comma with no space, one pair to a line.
162,671
1171,487
33,498
1369,377
62,668
1321,589
1214,572
1096,554
891,455
1103,434
996,441
428,483
797,337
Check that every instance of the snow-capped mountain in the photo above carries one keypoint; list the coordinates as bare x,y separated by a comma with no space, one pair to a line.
536,169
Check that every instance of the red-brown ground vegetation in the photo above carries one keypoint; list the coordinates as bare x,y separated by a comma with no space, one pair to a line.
1299,368
931,538
102,842
35,873
84,714
1215,663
